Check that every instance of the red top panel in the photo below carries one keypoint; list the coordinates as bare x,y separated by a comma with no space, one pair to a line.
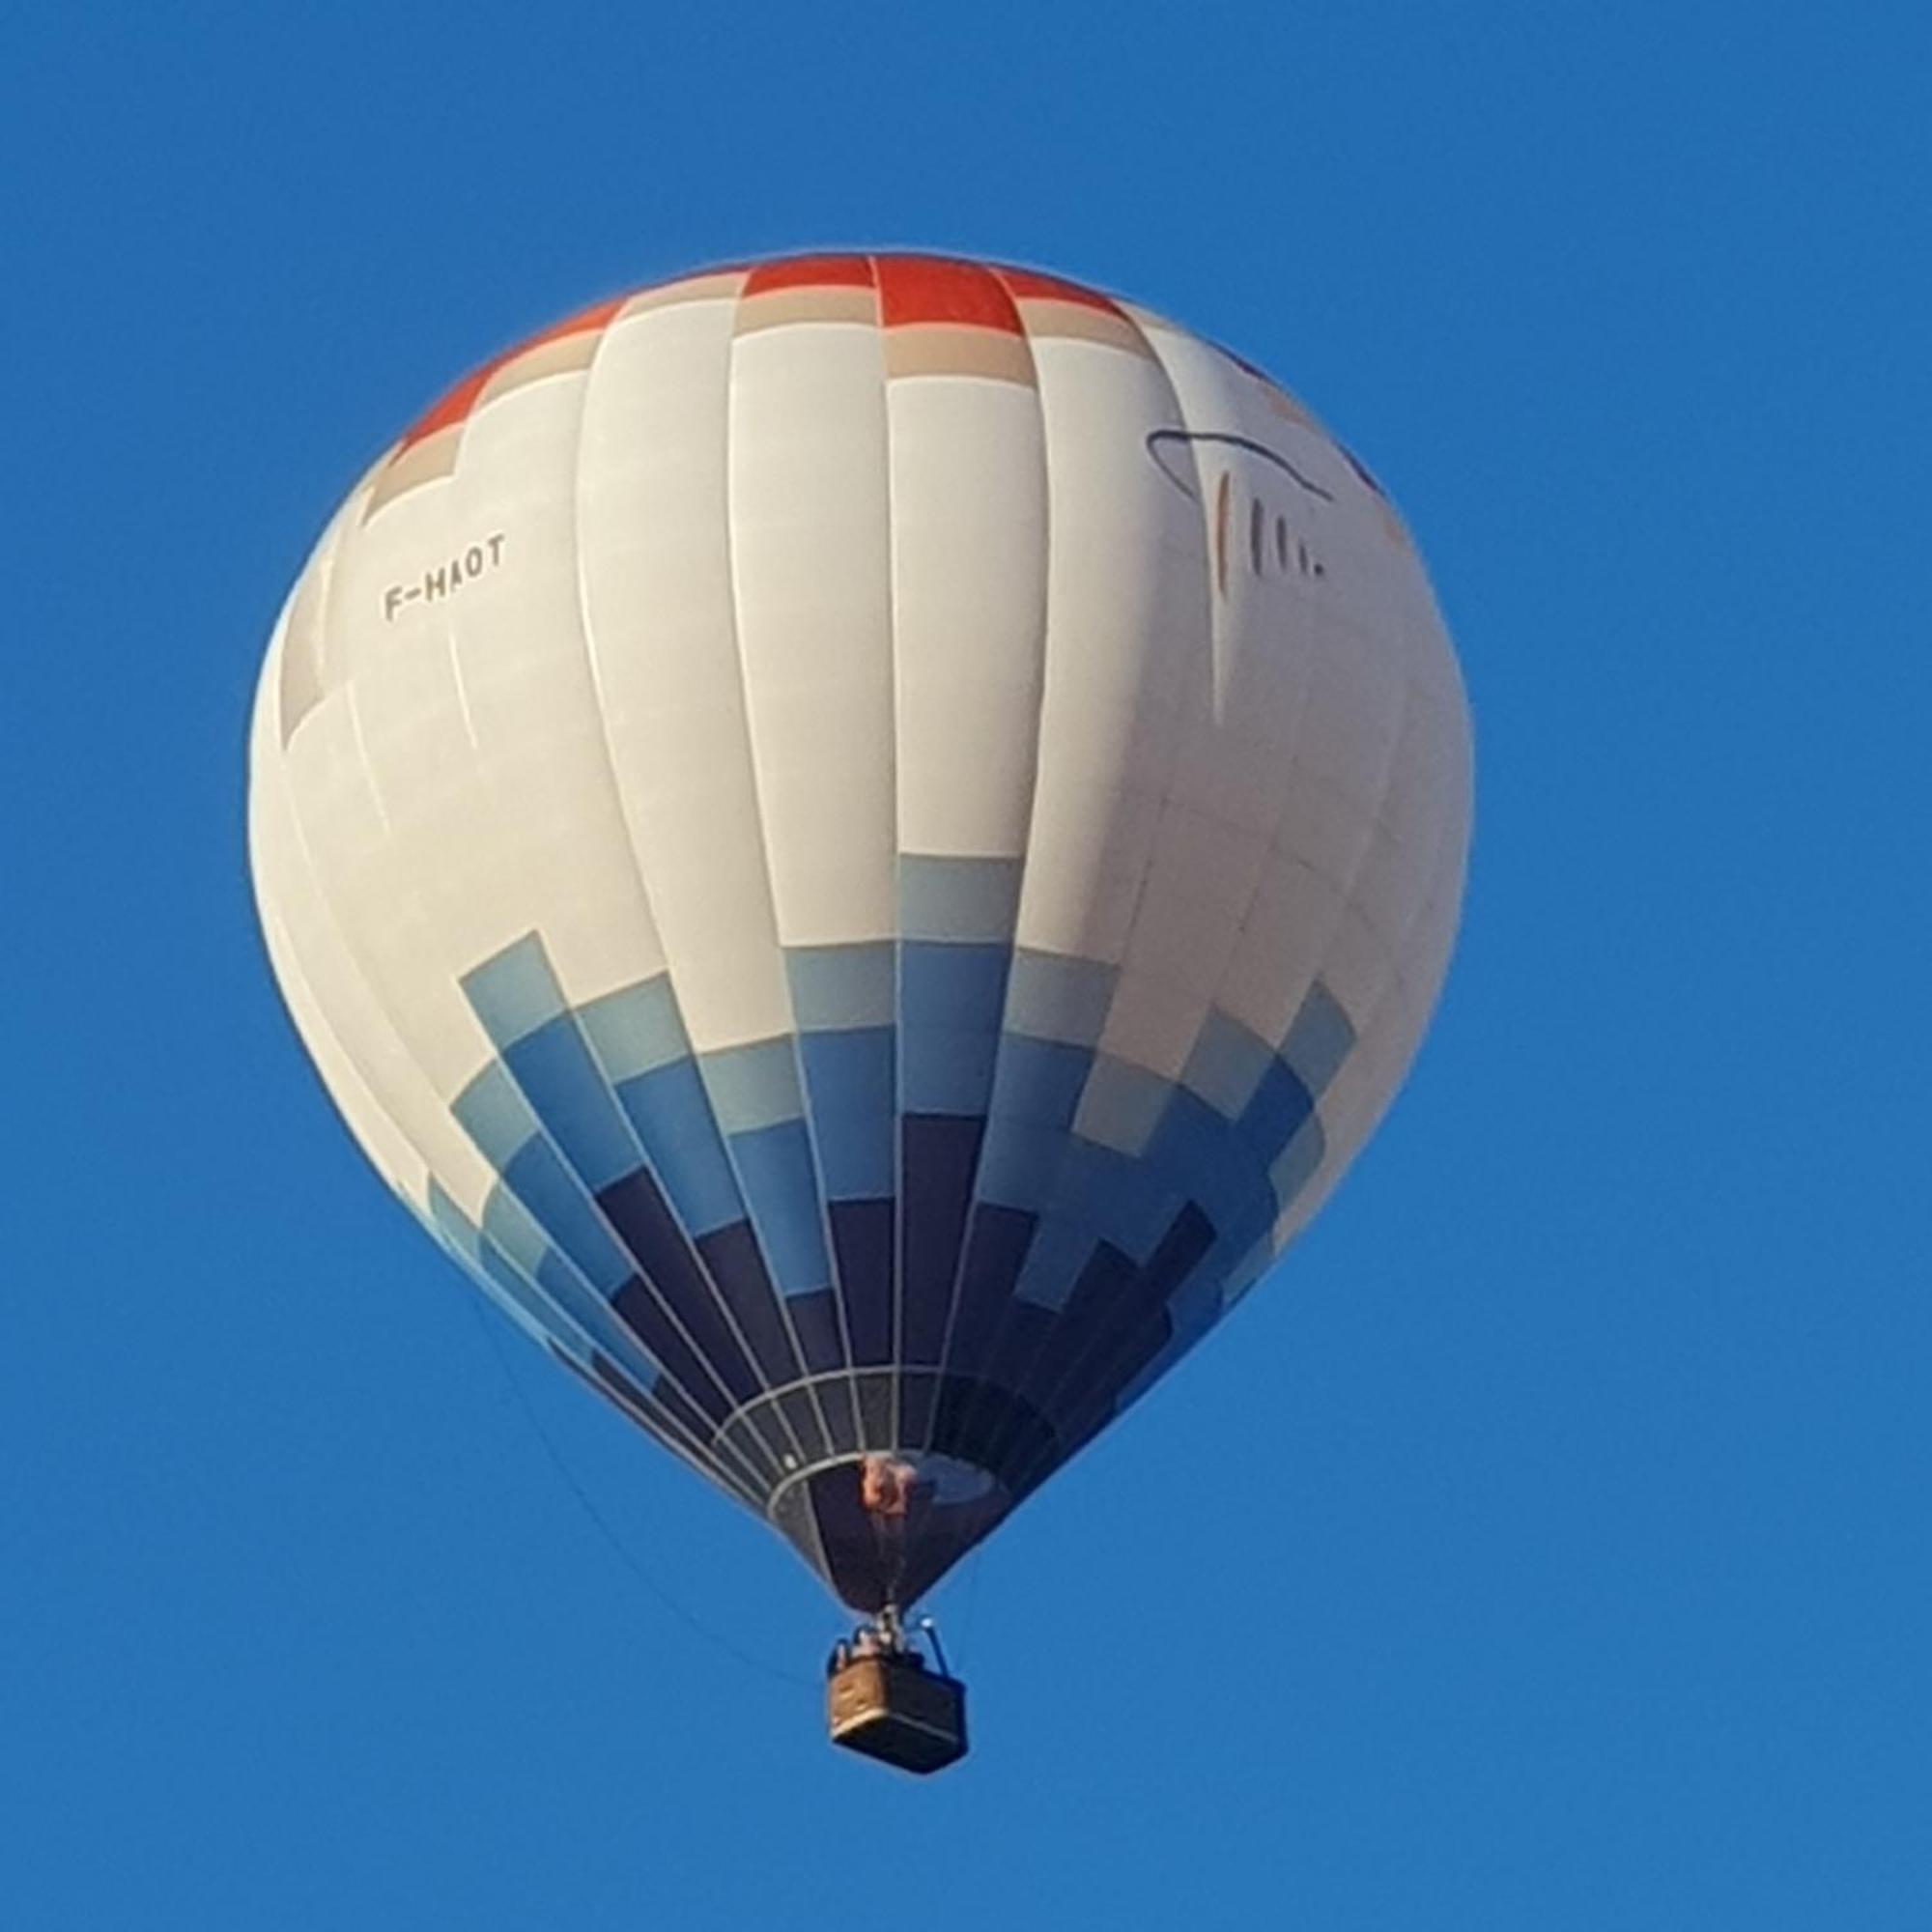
1028,284
462,399
810,272
929,288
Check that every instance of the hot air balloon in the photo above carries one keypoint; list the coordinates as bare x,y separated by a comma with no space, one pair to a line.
863,838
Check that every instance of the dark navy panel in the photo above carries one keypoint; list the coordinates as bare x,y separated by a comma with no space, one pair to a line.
861,1242
938,1157
877,1404
971,1418
1101,1297
1082,1403
807,1423
636,1208
996,1248
1023,1332
838,1397
643,1314
815,1319
731,1257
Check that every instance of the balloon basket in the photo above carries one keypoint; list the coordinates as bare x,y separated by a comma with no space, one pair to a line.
894,1707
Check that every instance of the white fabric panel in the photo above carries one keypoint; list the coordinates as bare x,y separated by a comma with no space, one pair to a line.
387,1146
811,569
656,555
969,533
373,890
1234,775
349,1022
559,858
1111,709
1357,722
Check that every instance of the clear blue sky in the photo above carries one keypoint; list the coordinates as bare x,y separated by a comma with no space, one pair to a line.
1578,1575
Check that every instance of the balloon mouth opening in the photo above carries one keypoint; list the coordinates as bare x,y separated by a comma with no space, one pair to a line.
882,1528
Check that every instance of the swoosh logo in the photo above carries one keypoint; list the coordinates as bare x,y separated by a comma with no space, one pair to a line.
1159,440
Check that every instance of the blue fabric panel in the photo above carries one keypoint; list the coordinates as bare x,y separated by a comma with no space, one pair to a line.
1249,1269
515,992
849,1080
838,987
1036,1089
495,1115
1279,1106
1039,1080
1061,1247
949,1004
1321,1038
566,1092
946,1070
558,1204
1202,1157
1053,996
455,1226
1119,1197
508,1224
459,1239
561,1282
1122,1103
1227,1062
570,1303
953,989
953,900
782,1190
634,1029
752,1087
510,1283
1020,1164
1299,1162
1100,1195
1194,1309
506,1280
672,1116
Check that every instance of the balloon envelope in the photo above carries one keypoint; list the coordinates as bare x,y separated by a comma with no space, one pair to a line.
863,838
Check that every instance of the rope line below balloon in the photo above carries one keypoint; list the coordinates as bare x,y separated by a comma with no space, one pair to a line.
608,1530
